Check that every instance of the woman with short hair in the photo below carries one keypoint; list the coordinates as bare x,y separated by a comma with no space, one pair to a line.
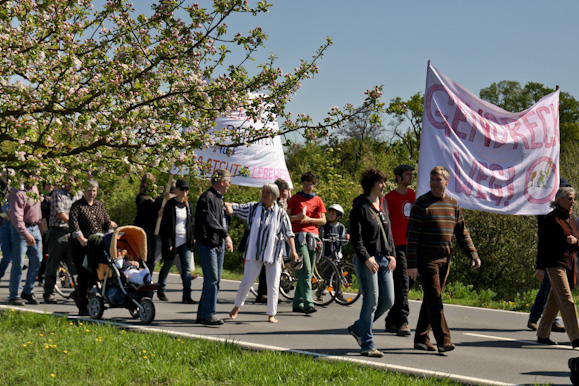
269,229
374,259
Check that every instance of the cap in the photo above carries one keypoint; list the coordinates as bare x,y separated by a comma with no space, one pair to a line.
182,184
401,169
564,183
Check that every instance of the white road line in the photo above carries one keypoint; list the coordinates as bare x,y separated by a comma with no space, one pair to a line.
491,337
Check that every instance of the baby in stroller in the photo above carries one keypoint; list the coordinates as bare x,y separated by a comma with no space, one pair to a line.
131,269
123,279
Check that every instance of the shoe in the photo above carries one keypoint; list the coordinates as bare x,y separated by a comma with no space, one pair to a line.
298,309
211,321
50,299
310,310
24,267
30,298
557,327
16,302
372,353
186,299
575,344
83,312
446,347
194,276
261,299
532,325
392,329
355,335
426,346
162,297
546,341
404,331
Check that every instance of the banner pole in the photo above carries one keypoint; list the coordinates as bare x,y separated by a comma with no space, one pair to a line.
167,190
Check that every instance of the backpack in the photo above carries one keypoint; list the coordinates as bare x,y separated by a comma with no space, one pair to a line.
574,367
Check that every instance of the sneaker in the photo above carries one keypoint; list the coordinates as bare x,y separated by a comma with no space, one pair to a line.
575,344
532,325
446,347
16,302
262,299
372,353
546,341
404,331
30,298
355,335
392,329
50,299
211,321
162,297
186,299
426,346
310,310
298,309
557,327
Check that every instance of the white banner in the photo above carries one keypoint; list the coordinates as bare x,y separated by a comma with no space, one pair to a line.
263,160
499,161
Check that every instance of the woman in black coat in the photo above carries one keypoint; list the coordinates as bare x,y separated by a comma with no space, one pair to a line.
176,235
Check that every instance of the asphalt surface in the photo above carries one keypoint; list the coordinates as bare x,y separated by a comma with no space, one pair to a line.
491,346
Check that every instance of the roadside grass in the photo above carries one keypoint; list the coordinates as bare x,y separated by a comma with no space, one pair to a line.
39,349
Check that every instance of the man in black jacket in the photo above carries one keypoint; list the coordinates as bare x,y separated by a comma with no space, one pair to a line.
212,239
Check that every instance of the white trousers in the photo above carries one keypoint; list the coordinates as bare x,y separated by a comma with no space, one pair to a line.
250,273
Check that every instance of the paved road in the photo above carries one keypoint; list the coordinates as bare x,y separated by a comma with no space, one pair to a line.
492,346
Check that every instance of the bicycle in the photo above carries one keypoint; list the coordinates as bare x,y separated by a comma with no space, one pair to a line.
65,284
347,290
322,289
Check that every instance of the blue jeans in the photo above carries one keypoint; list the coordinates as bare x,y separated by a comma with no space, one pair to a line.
19,249
6,242
377,297
212,265
186,257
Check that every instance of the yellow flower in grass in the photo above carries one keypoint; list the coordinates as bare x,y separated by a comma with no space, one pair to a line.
52,375
144,351
66,352
145,357
23,345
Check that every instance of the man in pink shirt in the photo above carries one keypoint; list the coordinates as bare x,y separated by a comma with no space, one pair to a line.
25,215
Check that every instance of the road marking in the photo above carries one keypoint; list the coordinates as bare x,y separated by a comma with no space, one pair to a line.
491,337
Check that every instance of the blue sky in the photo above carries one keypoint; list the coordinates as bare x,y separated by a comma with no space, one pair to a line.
384,42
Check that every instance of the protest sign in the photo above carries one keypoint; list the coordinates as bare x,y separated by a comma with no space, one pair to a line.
263,160
499,161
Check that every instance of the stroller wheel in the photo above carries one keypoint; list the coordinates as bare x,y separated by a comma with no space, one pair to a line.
96,307
147,312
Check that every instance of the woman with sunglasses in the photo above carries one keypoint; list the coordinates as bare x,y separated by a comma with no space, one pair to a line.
176,234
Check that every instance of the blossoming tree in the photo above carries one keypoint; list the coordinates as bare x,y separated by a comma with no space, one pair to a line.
106,92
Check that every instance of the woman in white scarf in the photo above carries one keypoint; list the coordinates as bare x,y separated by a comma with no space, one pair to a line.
269,228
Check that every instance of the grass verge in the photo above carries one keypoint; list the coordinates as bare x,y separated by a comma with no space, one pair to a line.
40,349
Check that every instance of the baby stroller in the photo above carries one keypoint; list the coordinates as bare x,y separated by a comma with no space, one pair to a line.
113,289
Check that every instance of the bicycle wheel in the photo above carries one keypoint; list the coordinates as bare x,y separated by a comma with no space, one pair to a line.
65,282
348,291
324,282
288,283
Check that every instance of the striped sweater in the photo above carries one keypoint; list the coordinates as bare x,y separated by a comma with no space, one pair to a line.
432,223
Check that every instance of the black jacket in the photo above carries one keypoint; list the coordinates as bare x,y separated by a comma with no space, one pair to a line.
365,231
209,229
554,251
167,229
